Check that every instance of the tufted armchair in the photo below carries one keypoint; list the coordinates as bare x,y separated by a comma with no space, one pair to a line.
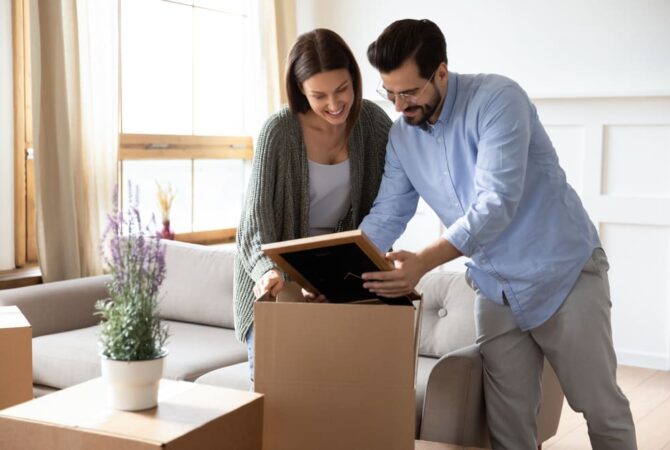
449,392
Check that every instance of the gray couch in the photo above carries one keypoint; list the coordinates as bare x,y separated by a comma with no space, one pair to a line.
197,305
196,302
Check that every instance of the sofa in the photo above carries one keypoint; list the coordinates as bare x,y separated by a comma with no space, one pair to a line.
196,302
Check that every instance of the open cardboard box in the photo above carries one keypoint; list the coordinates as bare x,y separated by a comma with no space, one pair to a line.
335,375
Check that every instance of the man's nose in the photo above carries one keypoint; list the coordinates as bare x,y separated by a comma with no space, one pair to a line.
399,104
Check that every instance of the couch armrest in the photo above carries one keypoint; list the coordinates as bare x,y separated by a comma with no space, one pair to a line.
60,305
453,409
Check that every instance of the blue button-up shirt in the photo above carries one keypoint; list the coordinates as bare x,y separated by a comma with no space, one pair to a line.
488,169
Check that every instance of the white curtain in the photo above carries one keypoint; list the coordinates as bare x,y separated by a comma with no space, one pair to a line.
75,130
273,32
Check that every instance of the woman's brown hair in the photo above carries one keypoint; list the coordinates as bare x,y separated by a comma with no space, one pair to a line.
317,51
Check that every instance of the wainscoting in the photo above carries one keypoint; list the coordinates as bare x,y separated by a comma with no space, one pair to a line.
616,154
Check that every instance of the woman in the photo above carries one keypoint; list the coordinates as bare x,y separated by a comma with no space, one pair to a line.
317,166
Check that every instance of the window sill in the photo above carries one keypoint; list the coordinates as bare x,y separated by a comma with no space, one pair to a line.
208,237
25,276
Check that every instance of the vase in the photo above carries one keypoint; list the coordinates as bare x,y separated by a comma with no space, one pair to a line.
166,232
132,385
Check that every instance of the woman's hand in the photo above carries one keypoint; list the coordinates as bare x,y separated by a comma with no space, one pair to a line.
271,282
312,297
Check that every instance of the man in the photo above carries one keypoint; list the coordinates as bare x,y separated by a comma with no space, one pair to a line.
473,147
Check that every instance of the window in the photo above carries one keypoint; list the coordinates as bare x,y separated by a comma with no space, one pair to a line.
184,119
184,115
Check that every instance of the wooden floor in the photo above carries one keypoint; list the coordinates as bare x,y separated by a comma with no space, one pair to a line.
649,394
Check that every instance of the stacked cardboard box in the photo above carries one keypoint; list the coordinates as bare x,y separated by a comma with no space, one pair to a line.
188,416
16,375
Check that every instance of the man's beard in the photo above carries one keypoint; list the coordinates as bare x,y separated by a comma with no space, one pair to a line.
427,110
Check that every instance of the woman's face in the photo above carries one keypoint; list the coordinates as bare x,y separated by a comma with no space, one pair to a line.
330,95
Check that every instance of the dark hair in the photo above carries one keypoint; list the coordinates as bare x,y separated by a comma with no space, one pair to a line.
317,51
409,38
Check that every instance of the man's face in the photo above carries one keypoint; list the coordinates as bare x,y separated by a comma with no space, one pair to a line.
415,97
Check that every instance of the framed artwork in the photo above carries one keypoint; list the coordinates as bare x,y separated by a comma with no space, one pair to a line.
332,265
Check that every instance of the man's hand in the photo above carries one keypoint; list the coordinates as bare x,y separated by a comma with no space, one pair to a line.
409,268
271,282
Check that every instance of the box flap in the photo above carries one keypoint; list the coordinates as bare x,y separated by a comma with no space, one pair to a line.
11,317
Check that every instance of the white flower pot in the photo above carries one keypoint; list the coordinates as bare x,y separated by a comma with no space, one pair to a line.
132,385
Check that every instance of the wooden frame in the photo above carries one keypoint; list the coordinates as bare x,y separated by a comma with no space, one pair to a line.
159,147
25,233
162,146
210,237
332,265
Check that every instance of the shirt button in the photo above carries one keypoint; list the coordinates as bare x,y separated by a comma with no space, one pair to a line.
441,312
485,261
439,140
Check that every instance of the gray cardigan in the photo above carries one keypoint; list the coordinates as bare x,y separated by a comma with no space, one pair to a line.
277,199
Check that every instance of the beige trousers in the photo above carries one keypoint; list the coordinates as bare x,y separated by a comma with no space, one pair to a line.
577,342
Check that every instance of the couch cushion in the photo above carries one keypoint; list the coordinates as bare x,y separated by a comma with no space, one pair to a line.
448,313
64,359
233,377
198,285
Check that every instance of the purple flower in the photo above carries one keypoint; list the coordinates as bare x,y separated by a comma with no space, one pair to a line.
135,258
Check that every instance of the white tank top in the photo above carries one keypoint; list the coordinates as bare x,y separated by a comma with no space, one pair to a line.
329,196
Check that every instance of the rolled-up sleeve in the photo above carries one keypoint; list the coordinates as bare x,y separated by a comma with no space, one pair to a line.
502,156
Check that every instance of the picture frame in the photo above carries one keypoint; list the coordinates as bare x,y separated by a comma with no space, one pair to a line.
332,264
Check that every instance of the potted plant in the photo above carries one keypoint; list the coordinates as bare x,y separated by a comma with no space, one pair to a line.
132,336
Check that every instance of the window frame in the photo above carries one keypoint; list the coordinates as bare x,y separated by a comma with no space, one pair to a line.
138,146
157,147
25,230
131,147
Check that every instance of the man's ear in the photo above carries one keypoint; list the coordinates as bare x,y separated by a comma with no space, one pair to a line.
442,71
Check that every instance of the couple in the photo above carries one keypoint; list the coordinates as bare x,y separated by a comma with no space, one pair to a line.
473,148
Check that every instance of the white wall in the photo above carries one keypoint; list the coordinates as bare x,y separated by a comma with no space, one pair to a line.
616,153
599,73
553,48
6,139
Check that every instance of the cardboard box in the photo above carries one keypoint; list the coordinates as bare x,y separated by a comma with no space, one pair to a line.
336,375
188,416
16,375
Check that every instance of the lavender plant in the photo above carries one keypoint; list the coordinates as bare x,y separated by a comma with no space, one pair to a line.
135,257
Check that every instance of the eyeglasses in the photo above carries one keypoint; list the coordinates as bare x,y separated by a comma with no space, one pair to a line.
408,99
